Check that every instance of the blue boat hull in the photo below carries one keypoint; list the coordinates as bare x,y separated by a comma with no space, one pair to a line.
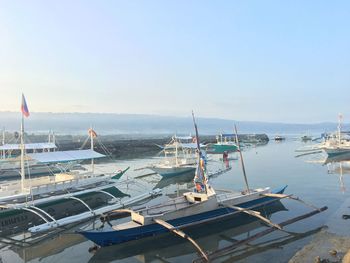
112,237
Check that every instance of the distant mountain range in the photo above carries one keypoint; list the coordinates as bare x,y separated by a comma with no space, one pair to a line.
138,124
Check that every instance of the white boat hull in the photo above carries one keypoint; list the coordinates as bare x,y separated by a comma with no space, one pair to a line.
172,171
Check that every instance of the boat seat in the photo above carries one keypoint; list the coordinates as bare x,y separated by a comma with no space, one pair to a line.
129,224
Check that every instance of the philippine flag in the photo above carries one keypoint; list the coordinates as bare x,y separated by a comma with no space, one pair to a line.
24,107
92,133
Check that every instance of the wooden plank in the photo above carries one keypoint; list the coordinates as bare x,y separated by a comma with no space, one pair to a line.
280,196
181,234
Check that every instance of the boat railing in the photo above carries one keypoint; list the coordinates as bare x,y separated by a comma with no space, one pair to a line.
227,196
7,186
173,203
52,186
62,185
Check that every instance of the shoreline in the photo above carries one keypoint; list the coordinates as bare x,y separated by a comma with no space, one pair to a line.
331,244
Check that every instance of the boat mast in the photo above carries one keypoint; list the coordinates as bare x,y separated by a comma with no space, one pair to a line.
49,141
176,153
92,148
3,143
242,162
199,170
340,117
22,154
54,140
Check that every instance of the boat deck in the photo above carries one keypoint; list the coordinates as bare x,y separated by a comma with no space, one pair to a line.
126,225
173,205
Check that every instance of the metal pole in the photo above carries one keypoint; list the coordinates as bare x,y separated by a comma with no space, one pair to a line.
92,148
339,128
3,142
22,155
54,140
199,168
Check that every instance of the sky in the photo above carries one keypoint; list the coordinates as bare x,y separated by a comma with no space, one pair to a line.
274,61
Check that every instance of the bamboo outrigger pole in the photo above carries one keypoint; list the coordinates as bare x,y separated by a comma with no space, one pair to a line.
242,162
181,234
255,214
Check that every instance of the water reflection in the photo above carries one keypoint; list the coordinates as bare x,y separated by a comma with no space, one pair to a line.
15,221
182,179
274,165
47,247
263,246
210,237
341,158
339,165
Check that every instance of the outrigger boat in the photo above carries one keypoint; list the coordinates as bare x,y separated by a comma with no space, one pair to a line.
334,144
225,143
210,236
10,163
32,201
306,138
279,138
179,157
202,205
337,143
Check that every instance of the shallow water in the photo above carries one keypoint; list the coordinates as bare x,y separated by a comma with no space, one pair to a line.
271,165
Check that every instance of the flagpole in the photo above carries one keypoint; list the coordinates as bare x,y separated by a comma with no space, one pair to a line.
199,168
22,155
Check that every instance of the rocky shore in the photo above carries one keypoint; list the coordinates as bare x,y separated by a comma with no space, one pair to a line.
125,146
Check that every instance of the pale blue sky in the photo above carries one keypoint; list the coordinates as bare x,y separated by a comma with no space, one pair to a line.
283,61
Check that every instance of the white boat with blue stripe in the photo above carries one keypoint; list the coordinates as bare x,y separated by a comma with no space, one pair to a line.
197,207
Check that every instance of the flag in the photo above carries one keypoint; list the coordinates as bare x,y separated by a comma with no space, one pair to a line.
24,107
92,133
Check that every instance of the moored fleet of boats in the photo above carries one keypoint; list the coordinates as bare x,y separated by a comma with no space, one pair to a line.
333,144
43,189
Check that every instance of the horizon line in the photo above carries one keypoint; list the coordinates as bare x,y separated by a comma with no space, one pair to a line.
174,116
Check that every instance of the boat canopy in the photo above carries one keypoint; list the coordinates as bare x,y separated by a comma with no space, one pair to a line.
184,137
228,135
191,145
28,146
182,145
64,156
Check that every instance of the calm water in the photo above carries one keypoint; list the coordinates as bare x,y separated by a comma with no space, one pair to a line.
271,165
